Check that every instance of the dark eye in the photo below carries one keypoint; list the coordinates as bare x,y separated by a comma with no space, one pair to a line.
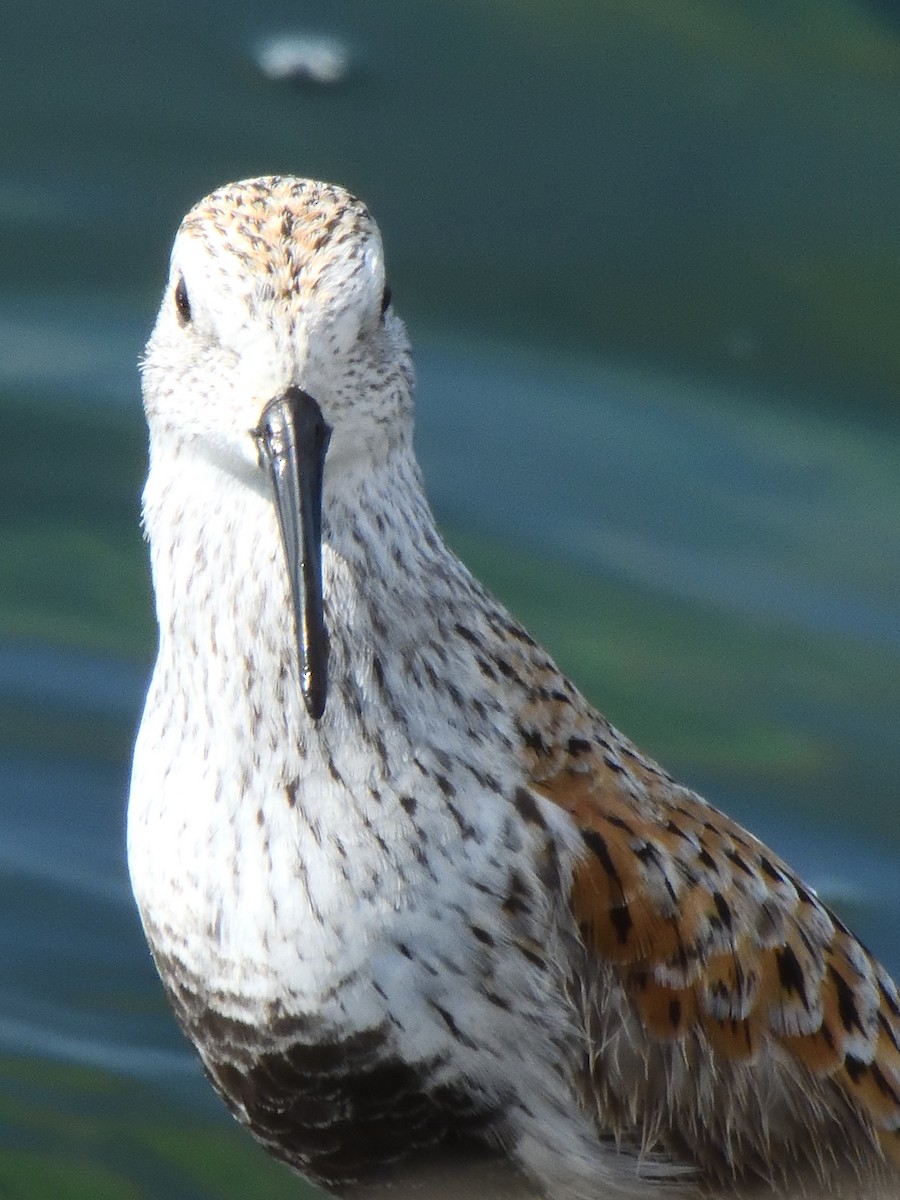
385,299
182,303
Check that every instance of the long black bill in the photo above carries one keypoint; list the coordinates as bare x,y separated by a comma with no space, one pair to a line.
292,437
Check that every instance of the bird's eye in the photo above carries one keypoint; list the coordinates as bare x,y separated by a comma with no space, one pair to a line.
385,299
182,303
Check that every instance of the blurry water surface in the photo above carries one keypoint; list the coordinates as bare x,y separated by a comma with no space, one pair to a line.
650,264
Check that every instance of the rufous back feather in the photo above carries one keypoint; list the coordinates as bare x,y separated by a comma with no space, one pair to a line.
717,944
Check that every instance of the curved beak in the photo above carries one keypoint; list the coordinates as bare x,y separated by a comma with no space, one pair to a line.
292,437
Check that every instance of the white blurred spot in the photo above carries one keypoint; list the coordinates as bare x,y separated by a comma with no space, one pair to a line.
303,58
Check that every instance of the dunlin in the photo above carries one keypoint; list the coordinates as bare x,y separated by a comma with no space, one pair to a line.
405,888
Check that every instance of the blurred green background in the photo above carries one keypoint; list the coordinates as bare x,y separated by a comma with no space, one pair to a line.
649,257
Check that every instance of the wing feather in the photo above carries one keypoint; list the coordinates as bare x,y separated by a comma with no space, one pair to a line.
728,961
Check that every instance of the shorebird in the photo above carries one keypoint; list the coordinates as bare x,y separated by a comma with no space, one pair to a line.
407,891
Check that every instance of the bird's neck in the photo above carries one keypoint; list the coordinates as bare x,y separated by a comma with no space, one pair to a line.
225,617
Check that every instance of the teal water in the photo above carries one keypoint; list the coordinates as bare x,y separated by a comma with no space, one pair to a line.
650,264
